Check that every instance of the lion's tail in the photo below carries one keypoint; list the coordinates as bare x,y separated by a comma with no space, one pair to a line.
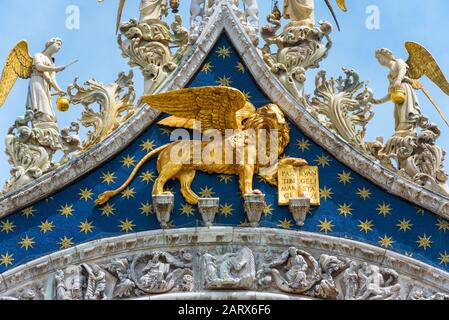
106,196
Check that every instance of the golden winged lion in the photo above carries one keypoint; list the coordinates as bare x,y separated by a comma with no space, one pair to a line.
219,109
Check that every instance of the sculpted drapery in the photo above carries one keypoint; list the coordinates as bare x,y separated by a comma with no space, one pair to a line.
39,97
152,9
406,114
301,12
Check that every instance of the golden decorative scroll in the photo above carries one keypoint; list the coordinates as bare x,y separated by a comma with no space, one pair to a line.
294,182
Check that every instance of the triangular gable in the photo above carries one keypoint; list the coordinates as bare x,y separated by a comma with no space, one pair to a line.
351,207
69,217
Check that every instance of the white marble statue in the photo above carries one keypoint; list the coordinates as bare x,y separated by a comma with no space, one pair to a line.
198,8
96,282
152,10
42,81
30,148
407,113
252,12
149,10
302,12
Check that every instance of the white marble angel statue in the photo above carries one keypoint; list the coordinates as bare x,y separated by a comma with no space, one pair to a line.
41,71
31,148
302,12
403,79
149,10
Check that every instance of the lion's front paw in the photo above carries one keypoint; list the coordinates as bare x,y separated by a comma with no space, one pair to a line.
257,191
296,162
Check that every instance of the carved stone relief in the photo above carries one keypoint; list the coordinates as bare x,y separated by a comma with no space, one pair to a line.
210,266
229,271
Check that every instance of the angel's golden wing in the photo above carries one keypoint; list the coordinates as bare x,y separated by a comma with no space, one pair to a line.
217,108
342,5
422,63
18,64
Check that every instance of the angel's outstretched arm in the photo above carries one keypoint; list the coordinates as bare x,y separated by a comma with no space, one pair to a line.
381,101
43,68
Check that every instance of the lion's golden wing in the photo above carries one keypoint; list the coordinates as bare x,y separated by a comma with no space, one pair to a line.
421,62
214,107
18,64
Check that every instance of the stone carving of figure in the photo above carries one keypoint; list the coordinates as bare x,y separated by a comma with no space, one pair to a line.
408,113
125,286
75,282
331,267
210,268
232,263
297,267
163,272
152,10
418,294
294,271
41,81
61,288
300,12
96,283
363,277
154,272
351,280
379,289
232,270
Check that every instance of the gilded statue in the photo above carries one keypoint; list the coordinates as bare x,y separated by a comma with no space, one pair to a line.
302,12
217,109
404,81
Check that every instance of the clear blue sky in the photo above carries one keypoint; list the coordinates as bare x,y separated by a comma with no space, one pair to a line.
94,44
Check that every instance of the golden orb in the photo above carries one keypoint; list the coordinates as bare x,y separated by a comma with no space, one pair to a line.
397,96
63,104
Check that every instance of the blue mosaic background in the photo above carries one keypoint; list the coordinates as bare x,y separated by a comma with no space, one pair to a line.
352,207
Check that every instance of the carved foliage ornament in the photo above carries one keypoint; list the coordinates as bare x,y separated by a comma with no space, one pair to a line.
342,106
115,106
155,272
148,42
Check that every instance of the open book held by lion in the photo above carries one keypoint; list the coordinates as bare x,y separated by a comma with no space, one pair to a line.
220,109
